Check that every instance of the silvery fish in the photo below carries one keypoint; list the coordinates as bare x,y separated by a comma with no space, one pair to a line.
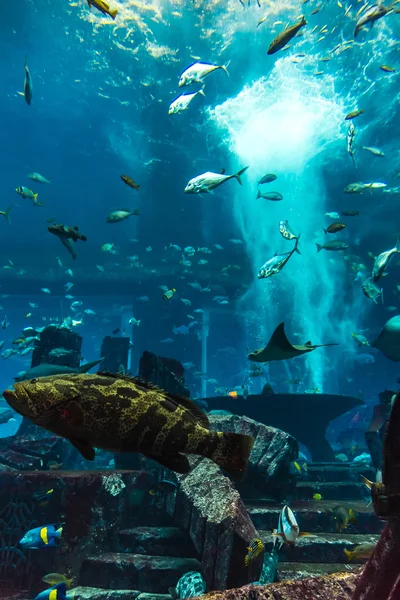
182,102
374,151
198,71
207,182
38,177
275,264
382,261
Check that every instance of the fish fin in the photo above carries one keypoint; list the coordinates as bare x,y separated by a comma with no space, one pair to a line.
83,238
7,213
326,231
232,453
35,196
319,247
237,175
305,534
87,366
201,92
297,249
58,533
178,462
83,447
225,67
259,194
303,20
113,13
349,554
90,4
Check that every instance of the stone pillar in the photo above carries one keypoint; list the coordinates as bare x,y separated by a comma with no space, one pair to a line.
166,373
58,346
114,351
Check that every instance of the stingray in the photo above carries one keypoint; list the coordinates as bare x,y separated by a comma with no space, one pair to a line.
279,348
388,341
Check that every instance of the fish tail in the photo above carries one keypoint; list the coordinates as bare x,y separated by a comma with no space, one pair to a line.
225,67
238,175
326,231
202,92
113,13
319,247
259,194
35,197
349,554
7,213
58,532
303,20
232,453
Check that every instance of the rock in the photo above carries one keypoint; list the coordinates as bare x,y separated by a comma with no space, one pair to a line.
338,586
210,510
342,457
89,593
362,459
166,373
267,390
85,502
272,453
114,351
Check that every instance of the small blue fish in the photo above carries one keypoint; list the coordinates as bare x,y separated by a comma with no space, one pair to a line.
41,537
57,592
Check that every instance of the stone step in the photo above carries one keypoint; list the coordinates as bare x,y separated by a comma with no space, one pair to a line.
323,548
295,570
134,571
327,472
157,541
90,593
340,491
316,516
13,460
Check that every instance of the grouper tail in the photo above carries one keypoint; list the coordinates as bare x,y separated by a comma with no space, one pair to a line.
86,367
232,453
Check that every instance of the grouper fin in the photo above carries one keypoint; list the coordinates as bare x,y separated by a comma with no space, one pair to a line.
178,462
87,366
170,401
232,453
279,339
83,447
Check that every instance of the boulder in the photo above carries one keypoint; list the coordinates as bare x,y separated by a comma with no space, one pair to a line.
272,453
208,507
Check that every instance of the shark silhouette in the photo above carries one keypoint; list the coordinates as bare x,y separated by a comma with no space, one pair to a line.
279,348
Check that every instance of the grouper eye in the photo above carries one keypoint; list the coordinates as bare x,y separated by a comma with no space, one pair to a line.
34,380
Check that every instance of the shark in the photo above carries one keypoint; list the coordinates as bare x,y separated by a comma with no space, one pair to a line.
279,348
45,370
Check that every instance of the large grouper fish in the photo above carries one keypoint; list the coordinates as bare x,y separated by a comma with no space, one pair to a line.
123,414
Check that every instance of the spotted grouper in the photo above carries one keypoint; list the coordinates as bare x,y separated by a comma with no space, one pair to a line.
123,414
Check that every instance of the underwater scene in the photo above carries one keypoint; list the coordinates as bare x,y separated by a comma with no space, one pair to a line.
200,300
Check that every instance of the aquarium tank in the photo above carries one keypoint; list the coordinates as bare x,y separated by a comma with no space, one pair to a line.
199,299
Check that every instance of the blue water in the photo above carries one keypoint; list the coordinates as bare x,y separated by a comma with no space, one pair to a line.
101,94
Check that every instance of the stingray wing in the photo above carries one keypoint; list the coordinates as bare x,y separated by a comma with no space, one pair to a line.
279,340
